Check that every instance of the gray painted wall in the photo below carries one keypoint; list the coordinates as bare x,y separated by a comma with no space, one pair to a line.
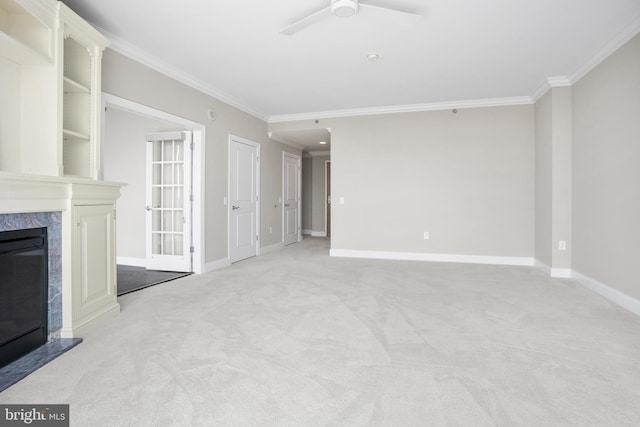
606,171
543,114
553,178
466,178
561,177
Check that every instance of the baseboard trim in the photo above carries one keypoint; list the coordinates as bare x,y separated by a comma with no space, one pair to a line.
271,248
318,234
81,328
542,266
216,265
613,295
134,262
560,273
416,256
307,232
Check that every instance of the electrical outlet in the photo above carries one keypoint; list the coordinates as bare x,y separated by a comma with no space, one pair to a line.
562,245
426,235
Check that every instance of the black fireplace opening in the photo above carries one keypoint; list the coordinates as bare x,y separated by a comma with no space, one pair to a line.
23,292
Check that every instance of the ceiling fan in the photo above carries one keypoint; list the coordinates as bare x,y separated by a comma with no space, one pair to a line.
348,8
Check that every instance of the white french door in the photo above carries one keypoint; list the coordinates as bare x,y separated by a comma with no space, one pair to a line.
243,198
169,194
291,192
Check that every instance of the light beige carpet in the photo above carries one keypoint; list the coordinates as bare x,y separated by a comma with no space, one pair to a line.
296,338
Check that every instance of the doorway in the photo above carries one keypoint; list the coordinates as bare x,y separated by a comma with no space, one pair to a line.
123,158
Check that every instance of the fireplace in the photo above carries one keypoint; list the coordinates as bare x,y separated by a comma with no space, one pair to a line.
23,292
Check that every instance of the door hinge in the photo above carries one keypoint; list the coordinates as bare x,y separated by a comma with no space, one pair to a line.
257,198
191,198
191,145
257,238
257,158
192,249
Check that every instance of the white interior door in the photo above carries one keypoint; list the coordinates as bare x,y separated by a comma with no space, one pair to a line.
291,191
243,199
169,196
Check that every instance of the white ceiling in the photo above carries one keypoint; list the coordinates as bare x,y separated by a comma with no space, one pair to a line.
462,50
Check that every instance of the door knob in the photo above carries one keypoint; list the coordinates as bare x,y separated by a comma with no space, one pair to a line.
286,205
149,208
235,207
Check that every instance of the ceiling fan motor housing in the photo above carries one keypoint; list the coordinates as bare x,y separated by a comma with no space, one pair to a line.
344,8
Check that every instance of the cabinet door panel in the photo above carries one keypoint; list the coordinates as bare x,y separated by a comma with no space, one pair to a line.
94,256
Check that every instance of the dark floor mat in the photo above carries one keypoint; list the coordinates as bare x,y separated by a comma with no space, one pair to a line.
132,279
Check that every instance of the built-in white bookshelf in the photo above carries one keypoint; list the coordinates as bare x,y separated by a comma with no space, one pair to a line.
25,34
76,113
49,147
50,84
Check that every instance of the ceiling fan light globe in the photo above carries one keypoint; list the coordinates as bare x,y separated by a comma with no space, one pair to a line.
344,8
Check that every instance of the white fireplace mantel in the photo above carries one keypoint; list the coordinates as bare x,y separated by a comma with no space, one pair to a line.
88,240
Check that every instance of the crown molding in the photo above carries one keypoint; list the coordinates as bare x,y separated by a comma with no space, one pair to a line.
625,35
412,108
550,82
559,81
123,47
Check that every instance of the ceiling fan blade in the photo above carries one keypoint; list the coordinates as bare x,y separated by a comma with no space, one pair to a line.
391,15
306,22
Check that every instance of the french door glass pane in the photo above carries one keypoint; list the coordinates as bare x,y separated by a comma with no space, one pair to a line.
167,223
157,151
168,197
156,223
178,151
179,221
178,244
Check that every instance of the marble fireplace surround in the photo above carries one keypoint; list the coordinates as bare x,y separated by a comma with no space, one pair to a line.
36,201
52,221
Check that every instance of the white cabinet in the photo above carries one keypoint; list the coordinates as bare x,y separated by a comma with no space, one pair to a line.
26,31
28,121
50,63
93,264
